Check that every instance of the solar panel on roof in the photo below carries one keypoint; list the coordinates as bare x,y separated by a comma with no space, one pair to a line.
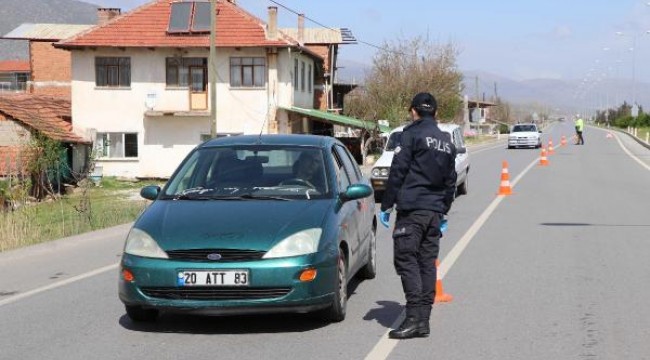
201,19
179,20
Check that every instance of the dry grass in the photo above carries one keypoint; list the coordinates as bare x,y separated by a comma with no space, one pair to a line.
112,204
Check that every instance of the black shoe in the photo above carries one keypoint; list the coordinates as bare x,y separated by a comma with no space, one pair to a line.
410,328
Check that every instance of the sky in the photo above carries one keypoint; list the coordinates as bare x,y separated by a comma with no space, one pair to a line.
516,39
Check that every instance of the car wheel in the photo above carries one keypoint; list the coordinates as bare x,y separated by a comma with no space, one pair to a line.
140,314
369,271
462,188
510,147
336,312
378,196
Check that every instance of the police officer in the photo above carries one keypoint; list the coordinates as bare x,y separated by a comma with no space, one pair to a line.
421,183
580,126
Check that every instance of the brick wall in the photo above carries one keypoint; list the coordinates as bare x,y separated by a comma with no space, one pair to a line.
51,69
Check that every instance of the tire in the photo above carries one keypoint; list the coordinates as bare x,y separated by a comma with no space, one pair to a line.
378,196
336,312
510,147
140,314
463,188
369,270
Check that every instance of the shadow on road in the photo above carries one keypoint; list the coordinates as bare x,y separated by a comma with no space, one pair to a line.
206,325
385,314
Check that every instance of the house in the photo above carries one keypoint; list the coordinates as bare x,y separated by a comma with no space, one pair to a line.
24,115
14,75
48,69
140,82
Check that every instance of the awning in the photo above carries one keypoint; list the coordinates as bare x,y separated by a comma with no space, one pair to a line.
338,119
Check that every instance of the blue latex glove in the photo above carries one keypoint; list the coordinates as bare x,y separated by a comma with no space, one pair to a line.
384,217
443,226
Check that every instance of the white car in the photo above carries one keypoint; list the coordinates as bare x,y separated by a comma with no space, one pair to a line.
525,135
379,175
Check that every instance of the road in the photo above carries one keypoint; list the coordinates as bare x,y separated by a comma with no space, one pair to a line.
558,270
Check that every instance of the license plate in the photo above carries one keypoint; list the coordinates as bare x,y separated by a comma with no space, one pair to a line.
213,278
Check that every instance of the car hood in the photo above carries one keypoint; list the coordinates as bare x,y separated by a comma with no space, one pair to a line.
247,224
385,159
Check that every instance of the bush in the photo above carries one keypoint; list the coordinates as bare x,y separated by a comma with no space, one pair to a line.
642,120
624,122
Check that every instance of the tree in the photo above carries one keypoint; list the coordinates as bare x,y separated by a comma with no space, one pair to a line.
44,164
403,69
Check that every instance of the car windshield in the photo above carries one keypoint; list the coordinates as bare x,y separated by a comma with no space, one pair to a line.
250,172
524,128
394,141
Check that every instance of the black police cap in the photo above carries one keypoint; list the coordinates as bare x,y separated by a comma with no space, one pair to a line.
424,101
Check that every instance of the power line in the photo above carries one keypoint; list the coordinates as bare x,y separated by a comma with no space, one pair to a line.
329,28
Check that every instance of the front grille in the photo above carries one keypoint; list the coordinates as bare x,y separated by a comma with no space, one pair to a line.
226,254
215,293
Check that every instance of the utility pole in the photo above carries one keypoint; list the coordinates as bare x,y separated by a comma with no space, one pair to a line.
477,110
212,68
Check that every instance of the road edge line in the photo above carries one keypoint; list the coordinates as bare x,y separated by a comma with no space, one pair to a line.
58,284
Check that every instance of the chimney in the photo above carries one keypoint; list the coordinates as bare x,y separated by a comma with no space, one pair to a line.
301,28
105,15
273,23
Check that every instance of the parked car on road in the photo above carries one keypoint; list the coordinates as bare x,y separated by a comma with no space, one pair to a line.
525,135
252,224
381,169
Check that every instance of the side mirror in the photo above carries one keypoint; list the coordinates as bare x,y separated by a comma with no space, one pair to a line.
356,191
150,192
461,150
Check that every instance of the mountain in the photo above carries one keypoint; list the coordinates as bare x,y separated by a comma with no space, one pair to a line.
13,13
560,95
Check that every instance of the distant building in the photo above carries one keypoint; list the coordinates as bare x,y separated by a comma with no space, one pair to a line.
14,75
49,67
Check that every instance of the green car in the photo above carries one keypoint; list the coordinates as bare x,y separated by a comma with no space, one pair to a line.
252,224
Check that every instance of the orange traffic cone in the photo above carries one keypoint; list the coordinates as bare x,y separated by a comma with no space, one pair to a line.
504,188
551,151
543,161
440,294
563,143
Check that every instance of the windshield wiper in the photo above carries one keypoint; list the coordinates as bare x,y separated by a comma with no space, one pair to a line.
193,194
249,197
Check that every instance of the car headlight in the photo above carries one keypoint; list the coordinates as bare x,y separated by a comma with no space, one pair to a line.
385,171
139,243
300,243
376,172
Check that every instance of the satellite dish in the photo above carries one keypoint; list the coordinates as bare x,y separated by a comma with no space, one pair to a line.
150,100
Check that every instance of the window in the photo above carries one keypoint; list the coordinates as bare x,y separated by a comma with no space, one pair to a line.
178,72
113,71
302,76
295,74
342,178
189,17
117,145
350,163
247,71
309,79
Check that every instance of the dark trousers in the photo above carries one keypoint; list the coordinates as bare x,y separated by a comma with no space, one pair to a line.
581,140
416,245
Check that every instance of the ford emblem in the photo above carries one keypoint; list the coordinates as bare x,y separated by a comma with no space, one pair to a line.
214,257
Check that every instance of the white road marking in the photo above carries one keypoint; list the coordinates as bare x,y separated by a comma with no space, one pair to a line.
386,345
486,149
58,284
620,143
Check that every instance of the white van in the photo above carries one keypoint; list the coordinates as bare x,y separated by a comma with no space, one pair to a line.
379,175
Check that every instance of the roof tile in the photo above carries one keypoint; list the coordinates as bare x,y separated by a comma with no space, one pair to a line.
50,116
146,26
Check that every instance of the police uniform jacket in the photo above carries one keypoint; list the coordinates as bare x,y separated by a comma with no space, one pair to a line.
423,172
